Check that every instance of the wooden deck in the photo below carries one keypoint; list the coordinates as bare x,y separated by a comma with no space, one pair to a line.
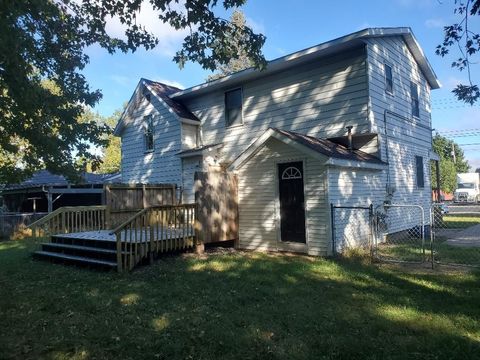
138,236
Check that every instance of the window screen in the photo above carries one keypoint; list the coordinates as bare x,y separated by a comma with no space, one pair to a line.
233,107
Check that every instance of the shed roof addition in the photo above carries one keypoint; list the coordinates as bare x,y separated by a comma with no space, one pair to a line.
335,154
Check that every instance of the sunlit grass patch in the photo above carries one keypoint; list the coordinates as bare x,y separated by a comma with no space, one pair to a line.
239,305
130,299
453,221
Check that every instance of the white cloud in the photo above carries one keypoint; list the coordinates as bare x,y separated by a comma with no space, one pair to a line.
171,83
169,38
435,23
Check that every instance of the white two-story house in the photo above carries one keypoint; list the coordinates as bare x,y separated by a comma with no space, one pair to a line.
346,122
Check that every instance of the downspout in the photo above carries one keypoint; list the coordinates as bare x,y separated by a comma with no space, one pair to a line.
404,118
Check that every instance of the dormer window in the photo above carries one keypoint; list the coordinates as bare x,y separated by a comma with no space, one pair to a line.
148,133
233,107
414,99
388,79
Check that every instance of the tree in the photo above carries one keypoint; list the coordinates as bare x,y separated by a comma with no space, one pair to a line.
243,61
112,153
477,170
461,36
46,40
446,149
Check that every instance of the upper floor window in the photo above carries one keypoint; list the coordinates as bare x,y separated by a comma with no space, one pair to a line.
233,107
388,79
414,99
148,133
419,172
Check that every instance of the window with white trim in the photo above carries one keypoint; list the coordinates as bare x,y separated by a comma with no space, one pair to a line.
233,107
388,79
291,173
148,133
415,100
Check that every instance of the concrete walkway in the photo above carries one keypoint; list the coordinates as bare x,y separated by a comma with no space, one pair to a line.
469,237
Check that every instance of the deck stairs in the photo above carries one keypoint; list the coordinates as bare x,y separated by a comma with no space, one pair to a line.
80,249
81,235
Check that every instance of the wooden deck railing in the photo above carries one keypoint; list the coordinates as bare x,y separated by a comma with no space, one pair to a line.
152,231
71,219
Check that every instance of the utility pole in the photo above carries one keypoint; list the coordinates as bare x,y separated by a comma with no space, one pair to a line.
453,153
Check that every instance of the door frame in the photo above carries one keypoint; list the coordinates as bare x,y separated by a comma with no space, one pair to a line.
285,245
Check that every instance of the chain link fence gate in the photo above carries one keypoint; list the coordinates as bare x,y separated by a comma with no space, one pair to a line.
401,234
351,227
456,234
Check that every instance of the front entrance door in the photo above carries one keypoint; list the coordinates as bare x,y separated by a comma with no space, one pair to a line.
292,202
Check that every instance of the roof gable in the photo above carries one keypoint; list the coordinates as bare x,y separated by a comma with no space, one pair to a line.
162,92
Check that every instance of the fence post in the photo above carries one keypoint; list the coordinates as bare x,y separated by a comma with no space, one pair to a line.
332,216
372,234
432,222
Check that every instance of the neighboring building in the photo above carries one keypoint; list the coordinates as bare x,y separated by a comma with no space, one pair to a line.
45,192
346,122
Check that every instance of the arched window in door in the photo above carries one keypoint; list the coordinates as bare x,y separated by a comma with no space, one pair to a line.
291,173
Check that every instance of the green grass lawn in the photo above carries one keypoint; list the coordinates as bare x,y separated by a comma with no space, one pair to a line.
459,221
235,306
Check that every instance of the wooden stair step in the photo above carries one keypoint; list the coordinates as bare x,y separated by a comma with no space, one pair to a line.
79,247
74,258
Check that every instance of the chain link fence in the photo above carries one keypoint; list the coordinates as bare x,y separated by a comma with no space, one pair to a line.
351,228
402,234
440,234
456,234
12,223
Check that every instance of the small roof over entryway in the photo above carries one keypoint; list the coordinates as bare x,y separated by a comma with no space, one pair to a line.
332,153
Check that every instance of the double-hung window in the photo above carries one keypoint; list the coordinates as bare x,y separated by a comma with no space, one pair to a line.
148,133
233,107
388,79
414,99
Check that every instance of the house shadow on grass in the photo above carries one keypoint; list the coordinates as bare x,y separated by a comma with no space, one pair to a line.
235,306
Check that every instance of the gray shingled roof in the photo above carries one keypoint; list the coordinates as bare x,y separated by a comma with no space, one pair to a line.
46,178
164,91
329,148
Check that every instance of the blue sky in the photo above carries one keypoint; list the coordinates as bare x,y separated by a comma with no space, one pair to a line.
291,25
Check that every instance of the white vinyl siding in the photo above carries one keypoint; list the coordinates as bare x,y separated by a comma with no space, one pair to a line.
319,98
355,188
406,136
258,199
161,165
189,166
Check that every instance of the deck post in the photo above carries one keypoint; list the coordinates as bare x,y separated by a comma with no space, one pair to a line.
151,217
119,251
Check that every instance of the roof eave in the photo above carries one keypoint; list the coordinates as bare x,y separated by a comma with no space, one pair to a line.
347,41
355,164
